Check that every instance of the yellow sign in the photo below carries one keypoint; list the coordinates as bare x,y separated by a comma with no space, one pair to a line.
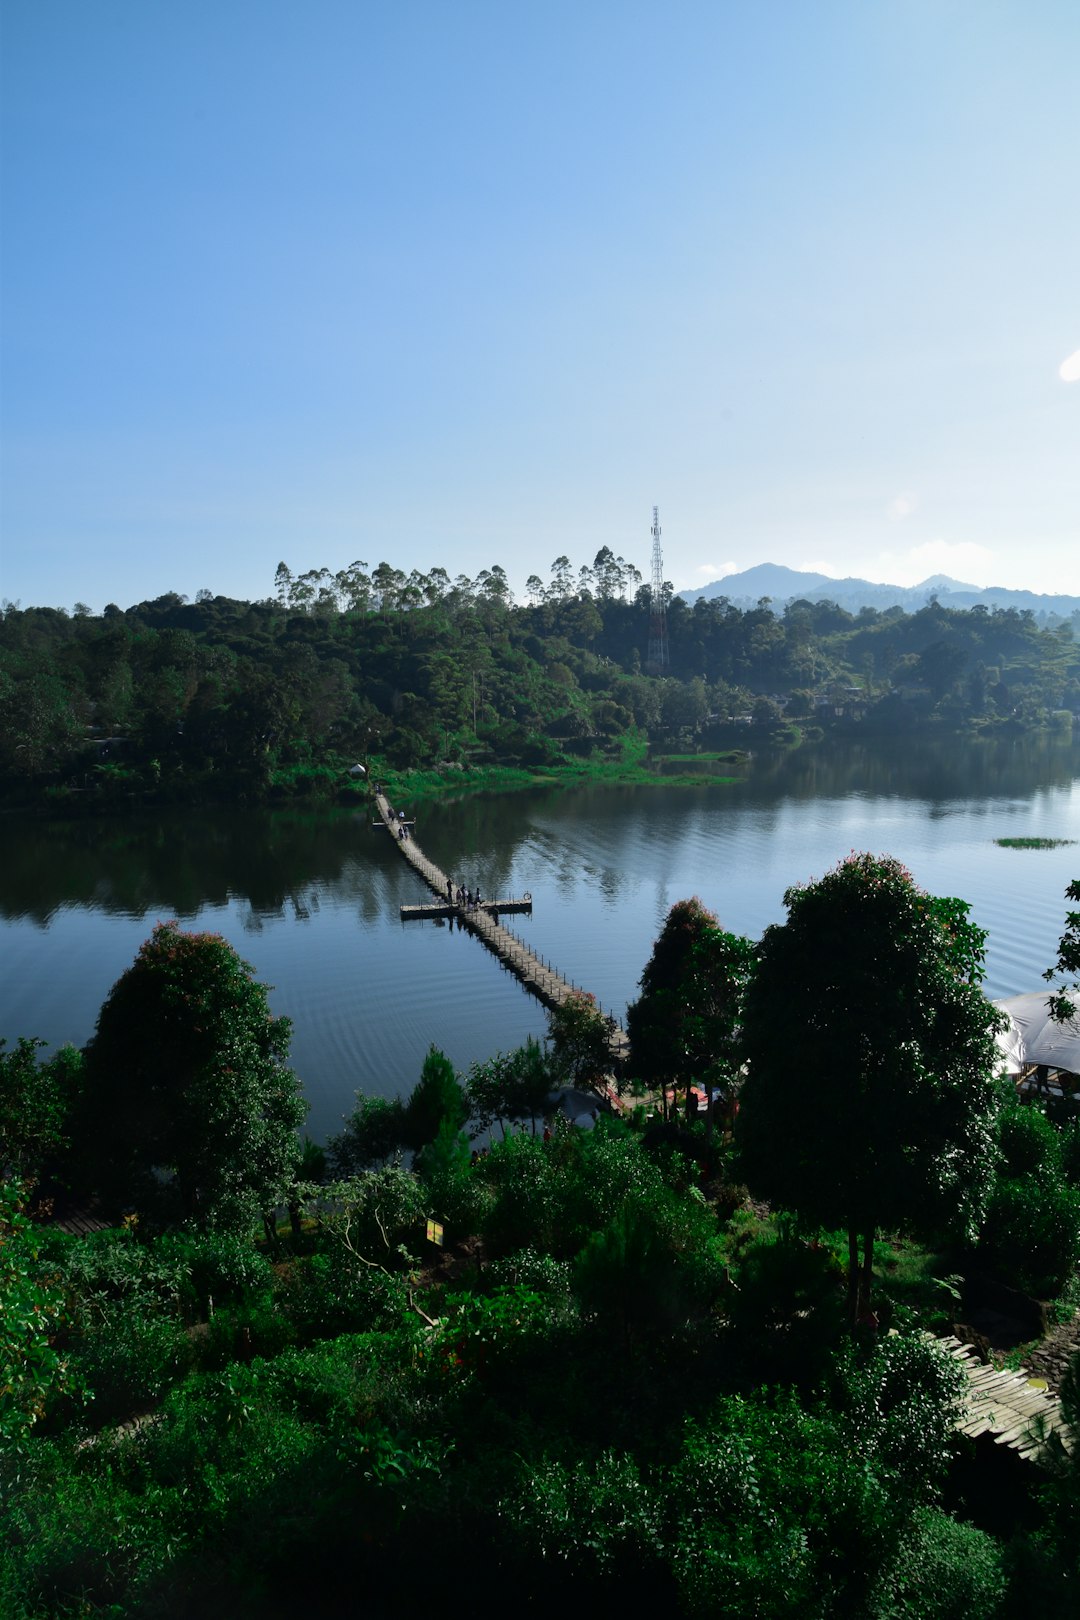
435,1232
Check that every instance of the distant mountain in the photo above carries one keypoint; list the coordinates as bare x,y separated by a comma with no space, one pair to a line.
783,585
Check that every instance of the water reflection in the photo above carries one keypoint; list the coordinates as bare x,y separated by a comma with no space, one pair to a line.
311,899
178,863
285,862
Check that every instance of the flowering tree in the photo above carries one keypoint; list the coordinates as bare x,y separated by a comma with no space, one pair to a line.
871,1100
191,1111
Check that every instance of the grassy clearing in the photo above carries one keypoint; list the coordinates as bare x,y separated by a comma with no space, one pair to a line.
1033,843
725,756
630,767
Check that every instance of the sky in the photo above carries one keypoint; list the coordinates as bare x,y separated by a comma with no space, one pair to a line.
462,282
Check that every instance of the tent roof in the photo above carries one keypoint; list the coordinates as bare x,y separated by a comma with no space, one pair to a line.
1033,1036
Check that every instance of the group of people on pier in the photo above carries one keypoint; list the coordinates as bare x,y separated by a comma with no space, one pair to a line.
464,899
396,818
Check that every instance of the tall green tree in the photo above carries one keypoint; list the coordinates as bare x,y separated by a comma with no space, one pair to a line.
579,1042
435,1100
510,1086
190,1109
871,1100
684,1026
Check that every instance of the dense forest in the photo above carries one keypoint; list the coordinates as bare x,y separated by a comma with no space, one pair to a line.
473,1355
235,700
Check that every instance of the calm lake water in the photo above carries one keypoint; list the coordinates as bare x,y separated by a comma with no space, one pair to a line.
311,899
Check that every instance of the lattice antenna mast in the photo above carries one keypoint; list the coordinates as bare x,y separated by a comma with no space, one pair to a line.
658,659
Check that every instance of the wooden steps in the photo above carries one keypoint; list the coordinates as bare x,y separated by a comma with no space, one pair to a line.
1005,1404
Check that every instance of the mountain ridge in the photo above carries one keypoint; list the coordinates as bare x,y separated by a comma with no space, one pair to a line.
783,585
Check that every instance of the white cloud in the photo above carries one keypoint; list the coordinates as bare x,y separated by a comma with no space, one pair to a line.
964,560
1069,370
716,570
814,565
902,506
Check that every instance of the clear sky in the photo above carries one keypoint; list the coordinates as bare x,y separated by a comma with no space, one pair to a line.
465,282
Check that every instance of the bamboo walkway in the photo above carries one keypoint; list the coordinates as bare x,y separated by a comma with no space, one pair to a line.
538,976
1011,1408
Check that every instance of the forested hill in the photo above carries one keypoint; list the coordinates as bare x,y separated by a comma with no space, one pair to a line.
221,698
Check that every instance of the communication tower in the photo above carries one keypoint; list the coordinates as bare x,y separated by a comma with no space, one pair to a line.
658,659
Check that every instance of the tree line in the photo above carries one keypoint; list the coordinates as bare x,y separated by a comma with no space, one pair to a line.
223,698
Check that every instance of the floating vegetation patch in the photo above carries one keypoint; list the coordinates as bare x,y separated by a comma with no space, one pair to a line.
1033,843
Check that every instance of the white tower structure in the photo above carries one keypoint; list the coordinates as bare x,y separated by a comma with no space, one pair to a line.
658,659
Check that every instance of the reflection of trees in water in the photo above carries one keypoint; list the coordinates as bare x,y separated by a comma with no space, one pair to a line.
478,842
178,864
284,863
945,768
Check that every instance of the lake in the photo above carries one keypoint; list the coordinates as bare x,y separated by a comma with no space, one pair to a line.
311,898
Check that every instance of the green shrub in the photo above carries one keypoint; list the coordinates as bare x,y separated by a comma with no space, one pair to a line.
786,1302
128,1353
242,1332
650,1267
332,1292
443,1166
944,1570
598,1519
373,1133
1030,1145
216,1269
1031,1232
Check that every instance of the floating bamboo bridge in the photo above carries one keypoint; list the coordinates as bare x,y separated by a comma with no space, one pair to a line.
537,975
1014,1409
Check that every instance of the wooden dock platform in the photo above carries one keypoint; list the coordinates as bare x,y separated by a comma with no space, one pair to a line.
445,909
538,977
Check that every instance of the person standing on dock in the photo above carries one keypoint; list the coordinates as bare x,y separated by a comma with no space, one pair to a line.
450,890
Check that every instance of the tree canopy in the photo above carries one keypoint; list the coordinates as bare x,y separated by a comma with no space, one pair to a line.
190,1107
220,698
1063,996
35,1101
684,1026
871,1100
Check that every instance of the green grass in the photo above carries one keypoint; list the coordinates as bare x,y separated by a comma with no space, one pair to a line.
726,756
630,767
1033,843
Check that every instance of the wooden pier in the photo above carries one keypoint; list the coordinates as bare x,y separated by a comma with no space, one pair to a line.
538,977
445,909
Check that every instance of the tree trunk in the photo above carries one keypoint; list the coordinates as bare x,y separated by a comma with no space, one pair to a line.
853,1277
866,1279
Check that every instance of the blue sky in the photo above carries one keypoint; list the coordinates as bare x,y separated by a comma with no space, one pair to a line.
463,282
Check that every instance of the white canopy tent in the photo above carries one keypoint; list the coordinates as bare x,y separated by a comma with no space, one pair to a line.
1032,1036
